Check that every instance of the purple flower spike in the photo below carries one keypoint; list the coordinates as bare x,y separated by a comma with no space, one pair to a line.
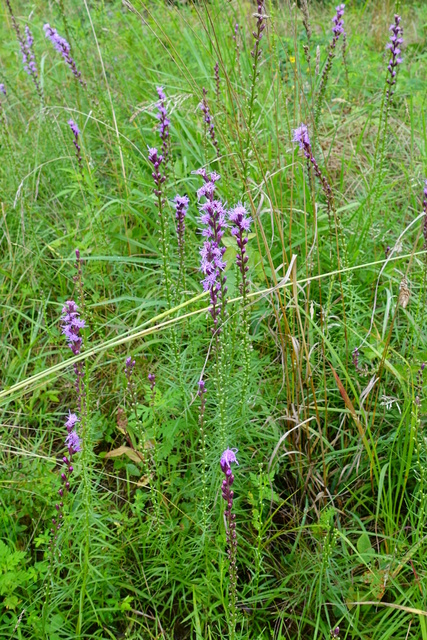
164,123
28,57
302,138
2,89
152,380
62,46
396,41
207,118
213,219
338,27
260,26
156,160
76,132
26,45
73,444
71,326
181,208
227,459
242,221
337,31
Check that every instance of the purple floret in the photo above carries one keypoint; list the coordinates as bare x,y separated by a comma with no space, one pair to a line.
72,441
228,458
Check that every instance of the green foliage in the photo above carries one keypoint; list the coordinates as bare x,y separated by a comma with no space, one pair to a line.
330,491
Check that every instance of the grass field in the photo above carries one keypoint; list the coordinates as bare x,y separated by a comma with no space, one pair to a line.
212,413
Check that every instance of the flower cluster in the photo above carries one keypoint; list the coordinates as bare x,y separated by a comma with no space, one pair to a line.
241,220
302,138
28,57
227,459
152,380
76,132
260,26
62,46
217,80
213,218
71,326
73,445
338,27
394,46
207,118
164,123
156,160
181,208
129,367
2,89
337,31
26,45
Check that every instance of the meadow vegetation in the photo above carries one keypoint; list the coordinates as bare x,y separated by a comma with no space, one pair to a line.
213,329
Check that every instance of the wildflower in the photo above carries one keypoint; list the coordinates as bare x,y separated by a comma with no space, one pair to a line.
337,31
227,459
181,207
62,46
395,42
73,442
260,26
76,132
242,221
213,219
156,160
208,118
217,80
28,56
71,422
2,89
302,138
164,123
26,45
338,27
152,380
71,326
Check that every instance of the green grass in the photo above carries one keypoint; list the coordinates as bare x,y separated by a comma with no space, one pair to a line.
330,488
